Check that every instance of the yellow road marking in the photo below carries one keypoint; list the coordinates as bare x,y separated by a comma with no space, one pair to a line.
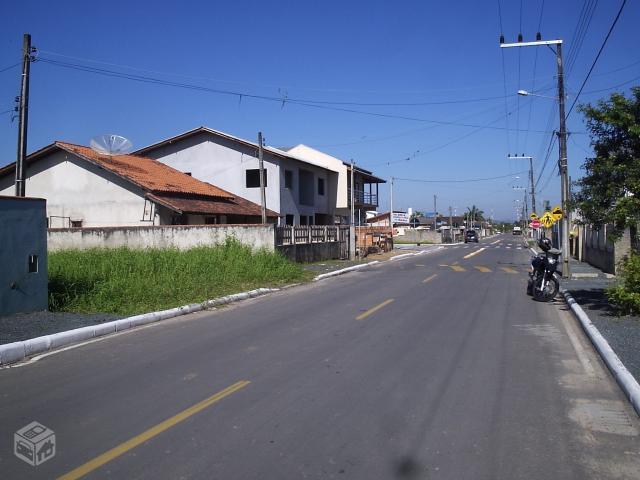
106,457
508,269
428,279
374,309
457,268
493,243
483,269
475,253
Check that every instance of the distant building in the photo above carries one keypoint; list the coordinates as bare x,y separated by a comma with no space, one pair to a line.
302,191
84,188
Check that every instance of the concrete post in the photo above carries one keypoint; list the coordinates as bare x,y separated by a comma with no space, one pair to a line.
352,242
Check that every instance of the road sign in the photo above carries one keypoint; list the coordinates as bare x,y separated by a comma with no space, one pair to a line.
535,223
533,216
547,220
557,212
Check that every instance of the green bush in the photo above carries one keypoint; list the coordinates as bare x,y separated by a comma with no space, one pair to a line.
625,296
125,281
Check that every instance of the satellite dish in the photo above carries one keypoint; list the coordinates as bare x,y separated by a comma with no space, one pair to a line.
111,145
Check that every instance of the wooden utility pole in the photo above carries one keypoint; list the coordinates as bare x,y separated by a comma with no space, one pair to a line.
263,198
23,116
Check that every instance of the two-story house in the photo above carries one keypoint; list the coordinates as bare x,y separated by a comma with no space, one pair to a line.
302,191
365,194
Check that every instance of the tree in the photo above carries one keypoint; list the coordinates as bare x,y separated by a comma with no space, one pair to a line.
609,192
475,214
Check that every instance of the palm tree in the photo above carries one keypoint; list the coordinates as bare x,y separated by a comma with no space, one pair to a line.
474,214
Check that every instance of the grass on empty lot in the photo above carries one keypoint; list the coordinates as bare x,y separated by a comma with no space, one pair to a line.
127,281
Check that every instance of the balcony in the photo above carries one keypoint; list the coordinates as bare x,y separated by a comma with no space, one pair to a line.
362,198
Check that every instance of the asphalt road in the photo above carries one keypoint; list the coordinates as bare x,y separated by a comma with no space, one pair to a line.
436,366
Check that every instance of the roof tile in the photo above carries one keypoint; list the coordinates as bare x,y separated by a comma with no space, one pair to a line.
149,174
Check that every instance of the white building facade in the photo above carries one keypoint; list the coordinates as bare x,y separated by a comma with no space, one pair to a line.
302,192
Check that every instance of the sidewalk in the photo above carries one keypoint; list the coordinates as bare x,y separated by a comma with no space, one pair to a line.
587,286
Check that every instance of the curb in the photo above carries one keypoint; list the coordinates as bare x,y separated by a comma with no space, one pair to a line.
407,255
344,270
624,378
17,351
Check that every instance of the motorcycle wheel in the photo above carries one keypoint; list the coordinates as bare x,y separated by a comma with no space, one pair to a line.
550,291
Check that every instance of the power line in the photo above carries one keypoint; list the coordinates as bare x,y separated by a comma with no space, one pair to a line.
604,43
504,82
238,94
210,79
9,67
457,181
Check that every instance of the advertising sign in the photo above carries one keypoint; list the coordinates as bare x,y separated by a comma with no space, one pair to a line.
400,217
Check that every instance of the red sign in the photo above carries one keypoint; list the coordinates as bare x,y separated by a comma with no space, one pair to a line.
535,223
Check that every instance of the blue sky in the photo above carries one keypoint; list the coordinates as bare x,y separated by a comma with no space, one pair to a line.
398,67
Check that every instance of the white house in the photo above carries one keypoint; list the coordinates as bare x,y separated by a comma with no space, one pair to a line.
366,184
84,188
302,191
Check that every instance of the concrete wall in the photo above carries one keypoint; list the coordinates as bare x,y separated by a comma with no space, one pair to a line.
182,237
77,190
23,226
223,162
598,249
417,236
311,252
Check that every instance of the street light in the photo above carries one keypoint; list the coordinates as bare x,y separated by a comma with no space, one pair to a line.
525,93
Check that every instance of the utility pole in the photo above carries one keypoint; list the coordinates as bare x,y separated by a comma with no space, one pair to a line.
562,166
391,209
435,214
263,198
353,216
562,144
451,224
23,115
531,184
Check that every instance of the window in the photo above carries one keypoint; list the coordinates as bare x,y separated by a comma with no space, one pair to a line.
253,178
288,179
305,187
210,220
288,220
76,223
33,264
320,186
303,219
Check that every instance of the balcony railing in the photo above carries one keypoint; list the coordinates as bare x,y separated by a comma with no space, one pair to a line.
360,197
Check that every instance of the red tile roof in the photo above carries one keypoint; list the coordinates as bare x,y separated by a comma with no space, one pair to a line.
236,206
147,173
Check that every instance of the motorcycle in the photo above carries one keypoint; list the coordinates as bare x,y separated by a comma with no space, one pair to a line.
543,282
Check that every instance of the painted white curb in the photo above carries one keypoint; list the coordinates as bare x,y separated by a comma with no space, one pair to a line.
344,270
16,351
422,252
624,378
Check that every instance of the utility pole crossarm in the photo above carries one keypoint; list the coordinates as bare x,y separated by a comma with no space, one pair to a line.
531,44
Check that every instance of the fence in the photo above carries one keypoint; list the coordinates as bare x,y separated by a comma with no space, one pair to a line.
313,242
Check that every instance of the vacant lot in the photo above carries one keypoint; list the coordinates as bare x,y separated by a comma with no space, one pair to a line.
124,281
